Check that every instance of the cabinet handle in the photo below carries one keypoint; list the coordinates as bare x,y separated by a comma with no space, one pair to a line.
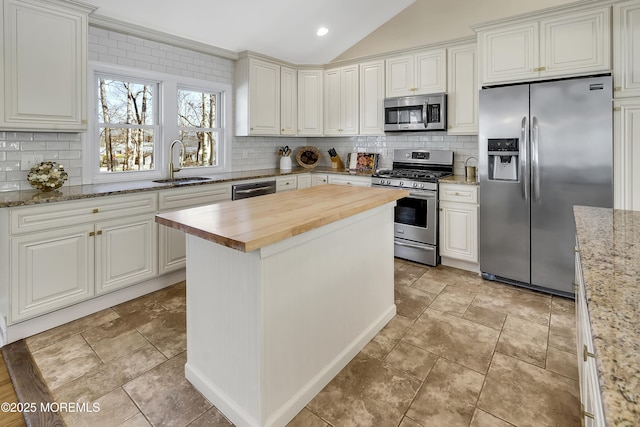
539,69
95,210
585,353
576,250
91,234
99,233
617,89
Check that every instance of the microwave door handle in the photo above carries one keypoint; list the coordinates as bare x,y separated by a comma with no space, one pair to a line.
424,113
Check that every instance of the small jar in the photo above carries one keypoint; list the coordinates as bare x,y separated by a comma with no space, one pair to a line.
285,163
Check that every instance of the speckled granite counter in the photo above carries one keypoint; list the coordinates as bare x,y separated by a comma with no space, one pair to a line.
459,179
609,243
75,192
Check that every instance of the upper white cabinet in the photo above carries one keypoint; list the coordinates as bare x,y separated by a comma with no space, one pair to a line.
257,97
310,104
462,90
288,101
372,98
419,73
626,49
567,43
43,77
341,101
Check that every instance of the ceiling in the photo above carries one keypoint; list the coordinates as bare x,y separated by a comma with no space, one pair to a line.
283,29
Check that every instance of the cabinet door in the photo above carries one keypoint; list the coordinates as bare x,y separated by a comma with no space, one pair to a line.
458,231
310,102
372,98
509,53
319,179
288,101
626,49
349,100
400,77
462,92
576,43
45,67
264,98
332,115
51,270
304,181
126,252
626,154
431,71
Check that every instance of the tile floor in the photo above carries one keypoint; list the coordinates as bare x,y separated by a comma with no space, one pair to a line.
460,352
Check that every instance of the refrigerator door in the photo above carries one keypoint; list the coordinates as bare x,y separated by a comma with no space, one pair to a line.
571,153
504,210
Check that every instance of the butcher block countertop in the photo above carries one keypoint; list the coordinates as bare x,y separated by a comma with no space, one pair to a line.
250,224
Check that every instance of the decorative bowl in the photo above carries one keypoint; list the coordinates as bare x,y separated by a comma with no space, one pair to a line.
47,176
308,157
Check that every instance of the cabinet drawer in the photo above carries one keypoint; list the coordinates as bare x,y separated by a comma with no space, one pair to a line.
317,179
459,193
52,215
200,195
286,183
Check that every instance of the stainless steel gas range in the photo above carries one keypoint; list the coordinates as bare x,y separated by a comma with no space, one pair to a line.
416,216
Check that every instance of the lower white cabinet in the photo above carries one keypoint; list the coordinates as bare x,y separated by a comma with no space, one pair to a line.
286,183
68,252
591,409
459,226
319,179
304,180
358,181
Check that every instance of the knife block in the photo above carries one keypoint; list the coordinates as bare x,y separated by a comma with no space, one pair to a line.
336,162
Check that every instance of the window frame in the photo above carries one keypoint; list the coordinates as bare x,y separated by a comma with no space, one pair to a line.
168,130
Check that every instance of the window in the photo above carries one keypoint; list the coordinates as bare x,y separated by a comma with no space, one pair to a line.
138,113
128,125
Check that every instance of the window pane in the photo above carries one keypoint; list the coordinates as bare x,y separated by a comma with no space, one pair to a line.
197,109
122,102
200,148
126,149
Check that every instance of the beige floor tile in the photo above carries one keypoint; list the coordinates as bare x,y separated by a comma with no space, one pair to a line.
138,420
365,393
408,422
408,273
412,360
60,333
141,310
563,339
459,340
429,284
114,339
109,376
306,418
514,302
563,363
528,396
561,305
167,332
411,302
484,316
453,300
447,397
173,298
483,419
65,361
115,408
387,338
565,320
211,418
524,340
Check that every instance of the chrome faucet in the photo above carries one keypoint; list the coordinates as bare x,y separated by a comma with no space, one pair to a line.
171,168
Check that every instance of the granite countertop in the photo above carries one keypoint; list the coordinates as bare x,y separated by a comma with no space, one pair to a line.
459,179
75,192
609,242
275,217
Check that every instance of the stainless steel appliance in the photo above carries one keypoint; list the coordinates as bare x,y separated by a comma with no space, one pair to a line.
544,148
419,112
416,216
244,191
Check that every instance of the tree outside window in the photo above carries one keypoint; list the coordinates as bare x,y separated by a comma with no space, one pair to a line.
199,127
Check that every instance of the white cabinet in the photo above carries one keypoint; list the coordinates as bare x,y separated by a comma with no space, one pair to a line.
319,179
559,44
257,97
372,98
358,181
419,73
310,104
459,226
43,76
304,180
67,252
626,154
288,101
171,246
286,183
341,101
591,409
462,90
626,49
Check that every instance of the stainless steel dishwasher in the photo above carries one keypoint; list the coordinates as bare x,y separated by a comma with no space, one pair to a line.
244,191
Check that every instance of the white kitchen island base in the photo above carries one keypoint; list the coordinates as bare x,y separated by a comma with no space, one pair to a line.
268,329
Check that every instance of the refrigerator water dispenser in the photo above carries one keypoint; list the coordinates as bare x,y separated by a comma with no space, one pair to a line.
503,159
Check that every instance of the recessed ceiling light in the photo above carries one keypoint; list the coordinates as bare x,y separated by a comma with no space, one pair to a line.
322,31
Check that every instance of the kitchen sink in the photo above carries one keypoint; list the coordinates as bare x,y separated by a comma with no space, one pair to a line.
184,180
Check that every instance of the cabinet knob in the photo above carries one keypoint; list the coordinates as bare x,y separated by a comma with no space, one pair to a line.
585,353
99,233
95,210
91,234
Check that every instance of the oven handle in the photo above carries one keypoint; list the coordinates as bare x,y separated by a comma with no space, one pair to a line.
409,245
422,196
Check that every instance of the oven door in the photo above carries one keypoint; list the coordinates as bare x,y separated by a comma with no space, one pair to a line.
416,217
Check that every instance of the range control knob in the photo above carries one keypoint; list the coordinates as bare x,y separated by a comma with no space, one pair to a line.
388,182
401,184
421,185
415,185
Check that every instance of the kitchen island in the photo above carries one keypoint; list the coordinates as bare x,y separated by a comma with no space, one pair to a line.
283,290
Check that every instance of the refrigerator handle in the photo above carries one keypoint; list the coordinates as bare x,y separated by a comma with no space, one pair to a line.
524,150
535,173
424,114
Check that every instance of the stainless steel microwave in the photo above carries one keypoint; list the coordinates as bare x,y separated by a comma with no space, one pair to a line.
418,112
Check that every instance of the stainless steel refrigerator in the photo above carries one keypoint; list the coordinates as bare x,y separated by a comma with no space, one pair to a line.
544,147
